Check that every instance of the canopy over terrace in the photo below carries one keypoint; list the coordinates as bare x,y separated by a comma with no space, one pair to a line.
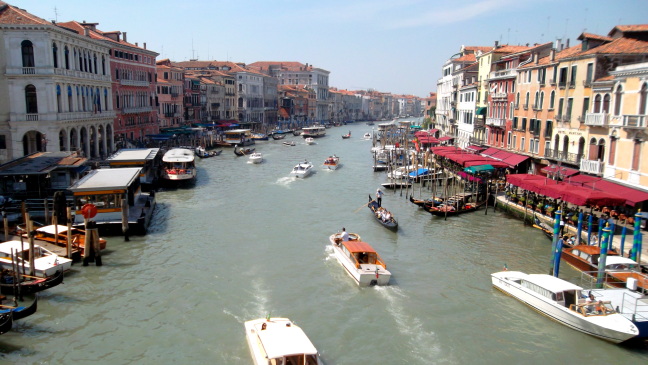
632,196
570,193
466,158
513,159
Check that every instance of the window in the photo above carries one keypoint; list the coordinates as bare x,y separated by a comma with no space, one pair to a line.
606,104
517,99
642,99
3,142
597,104
27,53
562,80
523,127
515,122
613,144
570,102
572,81
548,129
590,73
636,153
509,139
526,100
30,100
617,100
541,100
586,102
560,106
522,141
55,55
536,100
514,144
66,55
552,99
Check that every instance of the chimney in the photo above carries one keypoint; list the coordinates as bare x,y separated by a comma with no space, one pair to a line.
124,36
144,44
535,58
557,44
86,32
567,45
136,45
496,44
552,55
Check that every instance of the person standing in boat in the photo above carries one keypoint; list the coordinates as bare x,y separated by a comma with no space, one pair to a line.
379,195
345,234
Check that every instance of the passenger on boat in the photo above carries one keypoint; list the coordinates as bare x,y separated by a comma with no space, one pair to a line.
379,195
387,217
345,234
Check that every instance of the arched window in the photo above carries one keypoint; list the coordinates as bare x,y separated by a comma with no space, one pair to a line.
597,103
30,100
66,54
536,100
511,109
69,95
526,100
103,65
517,99
27,53
643,94
552,99
617,100
95,64
541,100
606,104
55,55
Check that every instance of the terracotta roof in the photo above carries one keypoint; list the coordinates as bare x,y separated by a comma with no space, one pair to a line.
631,28
567,52
288,66
620,46
594,36
510,49
96,34
10,14
477,48
605,78
470,57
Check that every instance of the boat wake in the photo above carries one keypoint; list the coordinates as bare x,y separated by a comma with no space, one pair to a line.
423,344
259,303
285,181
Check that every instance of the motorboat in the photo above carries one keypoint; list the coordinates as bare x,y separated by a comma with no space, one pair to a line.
367,136
617,269
331,163
201,152
360,260
314,131
256,157
310,140
565,303
179,165
57,234
302,169
289,143
46,262
402,171
628,303
274,341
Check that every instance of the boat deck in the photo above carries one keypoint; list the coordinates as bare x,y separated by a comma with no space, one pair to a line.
59,250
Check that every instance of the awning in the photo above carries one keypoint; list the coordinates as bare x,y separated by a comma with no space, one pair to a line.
475,148
561,170
633,196
513,159
479,168
446,138
284,113
481,111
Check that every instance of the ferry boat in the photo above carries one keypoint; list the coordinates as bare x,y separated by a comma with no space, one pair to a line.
274,341
360,260
564,302
46,262
107,190
314,132
179,165
241,137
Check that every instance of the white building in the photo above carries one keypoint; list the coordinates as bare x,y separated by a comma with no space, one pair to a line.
55,88
466,114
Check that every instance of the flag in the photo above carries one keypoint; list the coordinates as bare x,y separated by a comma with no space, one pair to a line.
505,267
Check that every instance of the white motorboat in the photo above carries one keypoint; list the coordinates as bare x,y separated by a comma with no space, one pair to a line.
564,302
367,136
274,341
360,260
289,143
256,157
46,262
402,171
302,169
331,163
179,165
309,140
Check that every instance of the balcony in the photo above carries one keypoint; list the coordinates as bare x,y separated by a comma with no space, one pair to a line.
503,74
134,83
499,95
65,116
572,158
496,122
592,166
634,121
587,83
476,141
136,110
525,106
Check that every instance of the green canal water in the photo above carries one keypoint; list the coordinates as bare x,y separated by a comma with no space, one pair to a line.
247,241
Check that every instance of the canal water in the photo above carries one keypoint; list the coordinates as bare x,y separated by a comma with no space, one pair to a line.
249,241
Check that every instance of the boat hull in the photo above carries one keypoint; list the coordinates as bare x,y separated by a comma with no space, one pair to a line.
613,328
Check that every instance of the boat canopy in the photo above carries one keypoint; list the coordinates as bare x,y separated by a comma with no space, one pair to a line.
358,246
283,341
551,283
50,229
618,260
479,168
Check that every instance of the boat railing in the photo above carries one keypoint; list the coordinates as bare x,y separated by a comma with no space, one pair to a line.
589,280
636,306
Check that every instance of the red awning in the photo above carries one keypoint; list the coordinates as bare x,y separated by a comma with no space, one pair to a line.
427,139
489,151
284,113
631,195
564,171
475,148
513,159
446,138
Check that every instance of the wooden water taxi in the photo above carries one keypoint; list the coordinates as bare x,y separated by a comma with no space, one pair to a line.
58,235
279,341
360,260
46,263
331,163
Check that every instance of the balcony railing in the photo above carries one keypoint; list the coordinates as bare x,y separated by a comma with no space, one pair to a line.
573,158
634,121
33,117
587,83
496,122
135,110
133,83
499,95
591,166
503,74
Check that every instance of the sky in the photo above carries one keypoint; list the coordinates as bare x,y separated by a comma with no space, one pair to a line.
396,46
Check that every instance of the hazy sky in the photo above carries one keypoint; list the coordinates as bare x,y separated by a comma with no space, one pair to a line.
394,46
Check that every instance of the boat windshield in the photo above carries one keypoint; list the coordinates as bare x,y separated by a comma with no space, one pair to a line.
594,308
295,360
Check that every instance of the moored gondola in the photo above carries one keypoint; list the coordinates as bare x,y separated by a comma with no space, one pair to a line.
427,203
20,312
382,215
446,210
277,136
32,285
6,322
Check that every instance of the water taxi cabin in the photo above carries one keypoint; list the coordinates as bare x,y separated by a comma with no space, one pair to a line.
241,137
106,189
148,159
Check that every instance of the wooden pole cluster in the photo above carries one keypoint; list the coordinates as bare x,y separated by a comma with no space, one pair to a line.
92,249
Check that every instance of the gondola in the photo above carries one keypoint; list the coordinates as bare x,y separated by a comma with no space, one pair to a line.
33,285
20,312
545,228
297,132
450,210
345,136
243,151
391,223
276,136
6,322
427,203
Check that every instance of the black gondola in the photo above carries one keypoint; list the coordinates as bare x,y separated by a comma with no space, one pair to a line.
427,203
297,132
276,136
33,285
243,151
6,322
391,223
20,312
450,210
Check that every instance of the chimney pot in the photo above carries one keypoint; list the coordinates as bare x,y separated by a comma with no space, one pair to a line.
124,36
496,44
144,45
552,54
567,45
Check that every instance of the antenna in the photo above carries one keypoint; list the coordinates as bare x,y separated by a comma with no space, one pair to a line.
566,24
192,49
548,25
508,36
55,14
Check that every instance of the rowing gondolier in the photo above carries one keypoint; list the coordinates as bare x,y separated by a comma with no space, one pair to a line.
379,195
